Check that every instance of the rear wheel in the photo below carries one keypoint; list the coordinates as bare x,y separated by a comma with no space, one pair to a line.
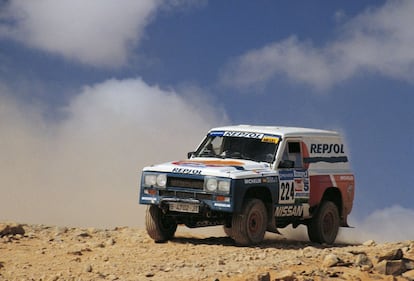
324,226
249,227
159,227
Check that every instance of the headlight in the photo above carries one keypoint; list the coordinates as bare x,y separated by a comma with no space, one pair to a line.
155,180
150,180
162,180
211,184
224,186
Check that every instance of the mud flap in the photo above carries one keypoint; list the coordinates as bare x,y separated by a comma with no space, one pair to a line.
271,226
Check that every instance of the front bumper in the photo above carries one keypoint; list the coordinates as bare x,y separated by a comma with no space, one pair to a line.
205,201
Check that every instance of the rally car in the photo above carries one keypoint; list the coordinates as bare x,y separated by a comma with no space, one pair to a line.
253,179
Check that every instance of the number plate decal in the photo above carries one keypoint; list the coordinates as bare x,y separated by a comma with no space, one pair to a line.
184,207
287,192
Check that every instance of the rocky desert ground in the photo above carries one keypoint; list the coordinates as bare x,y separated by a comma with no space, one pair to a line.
39,252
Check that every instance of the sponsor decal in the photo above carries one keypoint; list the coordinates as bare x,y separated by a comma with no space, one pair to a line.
346,178
243,135
327,148
186,171
300,173
286,192
286,175
263,137
293,184
260,180
270,139
299,185
289,211
253,181
217,134
269,180
302,195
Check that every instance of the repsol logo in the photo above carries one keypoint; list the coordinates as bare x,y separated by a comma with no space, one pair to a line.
243,135
289,211
186,171
322,148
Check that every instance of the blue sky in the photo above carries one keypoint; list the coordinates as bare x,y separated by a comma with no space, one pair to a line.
91,93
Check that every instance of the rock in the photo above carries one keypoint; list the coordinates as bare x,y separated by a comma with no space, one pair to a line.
88,268
409,264
330,260
285,275
61,230
363,261
110,242
83,234
409,275
391,255
390,267
263,277
369,243
150,274
309,251
53,278
11,229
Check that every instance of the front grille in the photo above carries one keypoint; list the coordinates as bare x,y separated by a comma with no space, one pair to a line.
168,193
185,183
185,195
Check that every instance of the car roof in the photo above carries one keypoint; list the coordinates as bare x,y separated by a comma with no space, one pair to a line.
278,130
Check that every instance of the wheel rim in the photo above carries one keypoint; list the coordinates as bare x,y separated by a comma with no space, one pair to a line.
255,221
328,224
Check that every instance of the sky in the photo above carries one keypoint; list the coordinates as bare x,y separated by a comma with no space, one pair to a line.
91,92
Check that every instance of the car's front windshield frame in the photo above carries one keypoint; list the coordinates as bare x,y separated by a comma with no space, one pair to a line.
257,147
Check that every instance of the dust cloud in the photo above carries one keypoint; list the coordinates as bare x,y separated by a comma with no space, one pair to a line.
391,224
84,170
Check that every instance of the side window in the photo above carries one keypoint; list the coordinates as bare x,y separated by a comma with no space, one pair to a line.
292,155
216,145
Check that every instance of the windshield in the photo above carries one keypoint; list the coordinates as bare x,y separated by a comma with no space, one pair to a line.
239,145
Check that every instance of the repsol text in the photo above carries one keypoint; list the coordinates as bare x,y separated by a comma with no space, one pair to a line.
322,148
187,171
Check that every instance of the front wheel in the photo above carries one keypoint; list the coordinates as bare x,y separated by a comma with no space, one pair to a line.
227,231
249,227
159,227
324,226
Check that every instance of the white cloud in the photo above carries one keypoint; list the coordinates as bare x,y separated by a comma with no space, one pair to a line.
379,40
84,170
95,32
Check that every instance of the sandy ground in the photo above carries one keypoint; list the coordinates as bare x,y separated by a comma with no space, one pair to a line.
61,253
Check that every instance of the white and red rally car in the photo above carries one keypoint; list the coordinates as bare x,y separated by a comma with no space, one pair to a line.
253,179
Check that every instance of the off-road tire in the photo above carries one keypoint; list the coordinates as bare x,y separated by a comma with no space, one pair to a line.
249,227
159,227
324,226
227,230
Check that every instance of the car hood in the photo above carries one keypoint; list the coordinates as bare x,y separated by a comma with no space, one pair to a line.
231,168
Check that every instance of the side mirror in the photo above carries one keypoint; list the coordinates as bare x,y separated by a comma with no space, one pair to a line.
190,154
287,164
